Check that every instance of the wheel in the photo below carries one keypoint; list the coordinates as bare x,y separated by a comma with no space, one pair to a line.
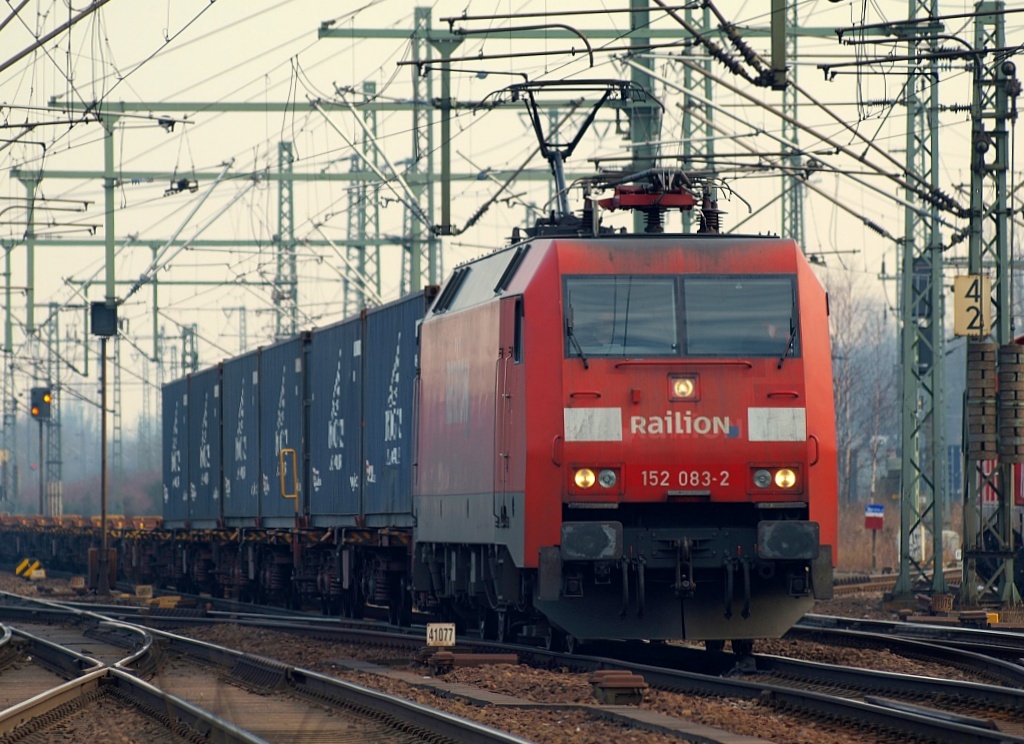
572,644
501,632
399,609
714,645
354,601
743,647
487,624
554,641
451,614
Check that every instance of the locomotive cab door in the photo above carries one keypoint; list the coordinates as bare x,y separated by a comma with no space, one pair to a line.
509,414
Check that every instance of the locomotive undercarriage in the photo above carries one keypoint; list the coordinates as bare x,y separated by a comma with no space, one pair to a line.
641,575
620,578
474,585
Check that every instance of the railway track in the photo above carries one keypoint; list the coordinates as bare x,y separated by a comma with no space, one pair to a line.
236,697
888,704
885,707
884,703
979,705
978,661
21,676
856,584
1000,644
73,684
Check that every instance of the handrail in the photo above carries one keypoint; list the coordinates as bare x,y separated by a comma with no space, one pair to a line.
556,450
676,362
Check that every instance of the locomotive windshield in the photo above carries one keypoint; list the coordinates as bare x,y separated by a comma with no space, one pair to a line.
617,315
631,315
740,316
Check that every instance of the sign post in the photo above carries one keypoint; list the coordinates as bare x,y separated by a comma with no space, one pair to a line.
874,520
440,634
972,307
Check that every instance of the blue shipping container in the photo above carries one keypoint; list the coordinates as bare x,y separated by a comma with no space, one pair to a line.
204,451
281,398
389,359
175,445
335,418
241,448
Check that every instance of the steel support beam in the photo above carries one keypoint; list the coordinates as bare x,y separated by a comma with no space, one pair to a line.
922,333
698,115
988,541
644,116
792,185
286,287
53,465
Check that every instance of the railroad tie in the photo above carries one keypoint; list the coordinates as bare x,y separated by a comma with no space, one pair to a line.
618,687
445,661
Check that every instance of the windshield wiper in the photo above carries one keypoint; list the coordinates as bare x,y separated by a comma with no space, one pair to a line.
790,344
575,342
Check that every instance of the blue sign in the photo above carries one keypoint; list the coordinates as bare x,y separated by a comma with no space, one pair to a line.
874,510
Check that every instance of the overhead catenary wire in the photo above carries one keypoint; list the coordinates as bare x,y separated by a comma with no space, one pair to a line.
869,223
161,259
263,299
810,130
408,198
924,194
924,189
41,41
20,135
365,287
787,143
98,100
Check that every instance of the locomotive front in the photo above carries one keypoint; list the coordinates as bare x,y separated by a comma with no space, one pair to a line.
696,446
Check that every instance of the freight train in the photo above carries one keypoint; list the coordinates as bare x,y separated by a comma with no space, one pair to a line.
586,434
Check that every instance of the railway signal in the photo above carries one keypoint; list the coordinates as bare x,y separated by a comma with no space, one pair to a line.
40,400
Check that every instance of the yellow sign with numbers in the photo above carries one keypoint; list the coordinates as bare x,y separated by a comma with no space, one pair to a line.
972,305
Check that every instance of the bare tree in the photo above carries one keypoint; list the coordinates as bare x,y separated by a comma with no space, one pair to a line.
865,383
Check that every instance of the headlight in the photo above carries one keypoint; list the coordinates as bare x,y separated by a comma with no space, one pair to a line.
584,478
607,478
682,387
784,478
762,479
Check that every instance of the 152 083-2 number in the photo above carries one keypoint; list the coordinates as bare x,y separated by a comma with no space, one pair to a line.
686,478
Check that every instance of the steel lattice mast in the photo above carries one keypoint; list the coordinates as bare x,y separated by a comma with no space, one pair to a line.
286,285
644,116
988,530
922,335
422,239
53,466
792,184
361,280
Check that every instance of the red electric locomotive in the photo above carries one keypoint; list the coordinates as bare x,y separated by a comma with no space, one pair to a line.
628,436
616,436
